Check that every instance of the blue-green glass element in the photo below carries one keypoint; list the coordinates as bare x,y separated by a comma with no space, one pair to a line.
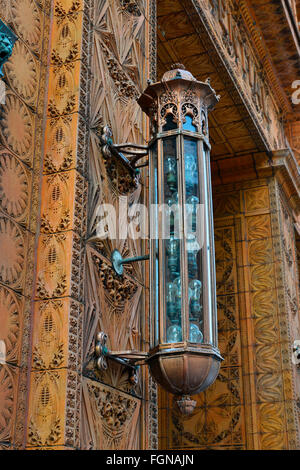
191,167
188,124
194,252
172,281
7,41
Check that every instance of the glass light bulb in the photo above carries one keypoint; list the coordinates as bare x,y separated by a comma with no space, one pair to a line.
174,334
177,292
173,212
195,334
193,200
191,173
196,289
170,297
191,212
192,244
171,164
170,301
171,173
190,162
177,287
172,246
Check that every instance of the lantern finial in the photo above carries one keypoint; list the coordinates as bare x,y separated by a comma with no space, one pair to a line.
177,65
186,405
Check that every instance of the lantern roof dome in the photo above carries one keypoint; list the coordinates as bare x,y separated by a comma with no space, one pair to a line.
178,71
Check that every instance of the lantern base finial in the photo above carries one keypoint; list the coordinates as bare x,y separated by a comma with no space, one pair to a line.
186,405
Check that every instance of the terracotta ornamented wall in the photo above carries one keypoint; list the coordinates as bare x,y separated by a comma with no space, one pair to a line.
21,133
114,414
55,379
253,403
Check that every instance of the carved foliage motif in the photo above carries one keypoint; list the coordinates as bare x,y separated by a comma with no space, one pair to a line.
119,412
28,26
17,129
8,387
24,85
113,304
14,187
44,425
13,243
10,323
289,260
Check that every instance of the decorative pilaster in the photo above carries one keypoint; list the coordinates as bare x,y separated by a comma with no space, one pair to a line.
21,133
55,385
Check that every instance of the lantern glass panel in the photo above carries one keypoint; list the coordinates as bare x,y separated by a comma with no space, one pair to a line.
194,250
154,240
171,244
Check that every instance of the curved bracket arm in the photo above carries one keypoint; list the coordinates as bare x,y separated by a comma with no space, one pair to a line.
130,359
117,261
127,148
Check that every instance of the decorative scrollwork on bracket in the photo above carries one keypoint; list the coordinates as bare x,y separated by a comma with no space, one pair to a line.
100,351
122,174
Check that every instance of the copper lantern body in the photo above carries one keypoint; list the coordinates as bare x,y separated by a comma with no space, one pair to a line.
184,357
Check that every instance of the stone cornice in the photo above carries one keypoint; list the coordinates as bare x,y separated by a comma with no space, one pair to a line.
280,59
263,53
242,84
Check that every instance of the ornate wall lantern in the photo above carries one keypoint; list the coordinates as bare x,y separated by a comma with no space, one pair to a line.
183,357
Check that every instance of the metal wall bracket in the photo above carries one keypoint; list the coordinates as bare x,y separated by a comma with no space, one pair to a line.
117,261
134,151
130,359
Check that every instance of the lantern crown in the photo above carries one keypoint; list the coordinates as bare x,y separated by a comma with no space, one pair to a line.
178,94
